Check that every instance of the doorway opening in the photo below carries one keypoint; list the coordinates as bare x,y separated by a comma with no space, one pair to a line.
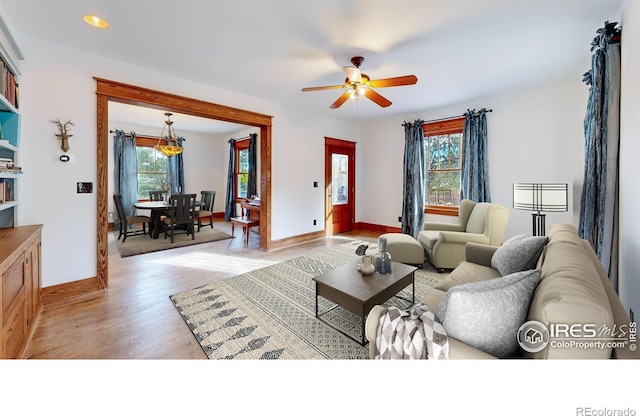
128,94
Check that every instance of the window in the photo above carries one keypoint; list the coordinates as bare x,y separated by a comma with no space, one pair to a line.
152,167
242,169
443,144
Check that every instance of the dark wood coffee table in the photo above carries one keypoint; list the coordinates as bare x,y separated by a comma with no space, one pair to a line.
359,293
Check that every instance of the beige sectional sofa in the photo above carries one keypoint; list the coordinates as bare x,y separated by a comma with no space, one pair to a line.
574,301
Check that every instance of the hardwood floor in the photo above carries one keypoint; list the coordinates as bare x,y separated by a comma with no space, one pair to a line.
134,318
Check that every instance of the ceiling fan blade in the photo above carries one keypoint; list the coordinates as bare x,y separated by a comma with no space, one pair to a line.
328,87
393,82
341,100
353,73
377,98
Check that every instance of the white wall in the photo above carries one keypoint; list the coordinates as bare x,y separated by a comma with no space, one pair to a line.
629,277
534,136
297,162
57,82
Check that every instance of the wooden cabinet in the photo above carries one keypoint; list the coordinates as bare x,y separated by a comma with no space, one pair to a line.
20,287
34,271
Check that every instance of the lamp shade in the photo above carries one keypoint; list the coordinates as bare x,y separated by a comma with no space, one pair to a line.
541,197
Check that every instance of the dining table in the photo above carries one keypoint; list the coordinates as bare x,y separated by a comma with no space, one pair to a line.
157,209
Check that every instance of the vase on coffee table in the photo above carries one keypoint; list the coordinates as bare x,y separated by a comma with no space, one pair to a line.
382,260
366,267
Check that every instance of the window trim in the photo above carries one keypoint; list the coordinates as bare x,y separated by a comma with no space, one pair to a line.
146,141
441,127
240,145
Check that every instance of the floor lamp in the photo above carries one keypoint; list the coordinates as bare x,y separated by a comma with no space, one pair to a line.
540,197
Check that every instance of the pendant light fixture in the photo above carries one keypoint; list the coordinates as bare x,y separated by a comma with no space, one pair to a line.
171,146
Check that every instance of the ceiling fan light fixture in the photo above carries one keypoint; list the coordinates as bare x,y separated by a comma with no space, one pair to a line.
353,74
96,21
358,84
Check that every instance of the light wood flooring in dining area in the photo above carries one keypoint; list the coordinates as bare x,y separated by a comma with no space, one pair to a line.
134,318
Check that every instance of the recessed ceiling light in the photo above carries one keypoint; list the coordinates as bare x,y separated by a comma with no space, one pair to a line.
96,21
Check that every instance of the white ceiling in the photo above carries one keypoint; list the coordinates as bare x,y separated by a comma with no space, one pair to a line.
154,121
460,50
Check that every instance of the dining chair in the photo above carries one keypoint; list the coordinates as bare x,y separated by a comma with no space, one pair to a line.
127,220
157,195
182,215
206,209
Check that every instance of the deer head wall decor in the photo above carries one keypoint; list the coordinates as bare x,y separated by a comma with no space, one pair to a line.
64,133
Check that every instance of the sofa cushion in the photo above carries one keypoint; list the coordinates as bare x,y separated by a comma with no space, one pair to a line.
487,315
467,272
433,298
518,253
428,239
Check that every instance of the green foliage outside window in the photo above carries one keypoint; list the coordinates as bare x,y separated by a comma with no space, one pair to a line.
152,171
443,169
243,172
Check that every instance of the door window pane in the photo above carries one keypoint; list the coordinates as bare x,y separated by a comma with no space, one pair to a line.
340,179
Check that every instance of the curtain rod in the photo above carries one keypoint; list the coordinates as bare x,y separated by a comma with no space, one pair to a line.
454,117
146,135
243,138
461,115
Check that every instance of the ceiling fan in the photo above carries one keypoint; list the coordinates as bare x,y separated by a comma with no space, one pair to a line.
359,84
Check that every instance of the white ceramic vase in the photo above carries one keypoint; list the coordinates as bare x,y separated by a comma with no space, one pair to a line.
367,266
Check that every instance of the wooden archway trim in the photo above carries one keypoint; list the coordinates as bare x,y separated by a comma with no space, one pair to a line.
129,94
144,97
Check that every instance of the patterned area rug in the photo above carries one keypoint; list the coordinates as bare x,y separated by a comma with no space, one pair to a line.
269,313
141,244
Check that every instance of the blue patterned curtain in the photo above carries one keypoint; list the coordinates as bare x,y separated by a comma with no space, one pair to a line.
176,164
125,171
252,180
599,200
230,201
414,179
474,175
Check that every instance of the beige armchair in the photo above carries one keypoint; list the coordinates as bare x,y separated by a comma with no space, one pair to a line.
482,223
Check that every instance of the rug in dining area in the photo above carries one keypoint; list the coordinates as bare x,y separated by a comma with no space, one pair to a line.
142,244
269,313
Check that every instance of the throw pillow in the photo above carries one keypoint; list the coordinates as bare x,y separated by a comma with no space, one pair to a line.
487,314
518,253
